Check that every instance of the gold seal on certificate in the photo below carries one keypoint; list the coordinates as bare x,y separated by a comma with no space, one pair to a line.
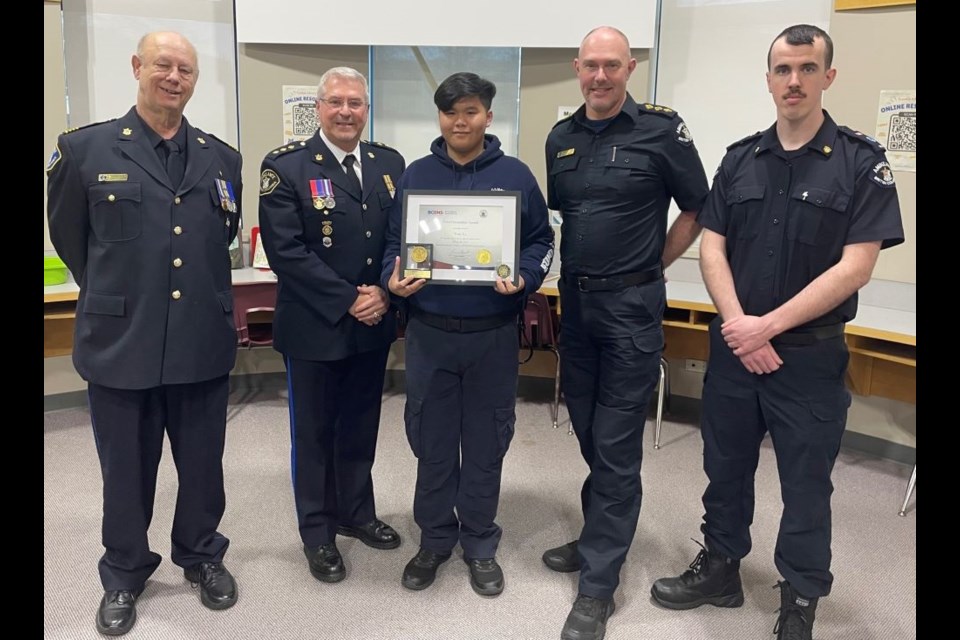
419,261
483,256
419,254
503,271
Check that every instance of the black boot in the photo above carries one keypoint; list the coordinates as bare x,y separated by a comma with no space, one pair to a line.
796,614
711,579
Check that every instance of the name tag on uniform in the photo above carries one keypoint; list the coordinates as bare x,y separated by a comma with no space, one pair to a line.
565,153
112,177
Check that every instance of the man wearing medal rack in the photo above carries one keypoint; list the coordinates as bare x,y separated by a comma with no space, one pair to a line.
323,205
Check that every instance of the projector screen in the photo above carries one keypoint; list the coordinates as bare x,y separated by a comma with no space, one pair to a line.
493,23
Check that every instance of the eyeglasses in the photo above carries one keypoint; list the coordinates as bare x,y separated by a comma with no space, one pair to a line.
337,103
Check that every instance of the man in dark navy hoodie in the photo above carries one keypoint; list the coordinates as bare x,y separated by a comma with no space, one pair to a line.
461,349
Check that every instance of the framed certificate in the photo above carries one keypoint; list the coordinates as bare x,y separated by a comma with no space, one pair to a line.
461,237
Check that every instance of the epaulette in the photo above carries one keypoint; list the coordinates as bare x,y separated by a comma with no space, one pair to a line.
561,121
667,112
223,142
87,126
381,145
287,148
743,141
862,137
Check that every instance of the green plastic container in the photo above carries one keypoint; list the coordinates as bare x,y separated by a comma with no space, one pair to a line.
54,271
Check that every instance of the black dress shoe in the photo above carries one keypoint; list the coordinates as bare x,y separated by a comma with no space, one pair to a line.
564,558
421,571
376,533
117,612
218,589
486,576
588,619
325,562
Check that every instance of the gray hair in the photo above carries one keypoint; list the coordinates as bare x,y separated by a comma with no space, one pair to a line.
348,73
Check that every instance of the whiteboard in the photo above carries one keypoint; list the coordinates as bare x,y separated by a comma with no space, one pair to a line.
491,23
711,63
101,36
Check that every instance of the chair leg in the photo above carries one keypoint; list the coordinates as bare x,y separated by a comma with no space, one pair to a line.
660,395
910,486
556,391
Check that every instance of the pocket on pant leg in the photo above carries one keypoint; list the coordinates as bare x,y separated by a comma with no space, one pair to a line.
506,420
412,415
830,418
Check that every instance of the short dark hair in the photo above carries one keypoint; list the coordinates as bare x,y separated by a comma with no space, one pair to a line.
800,34
464,85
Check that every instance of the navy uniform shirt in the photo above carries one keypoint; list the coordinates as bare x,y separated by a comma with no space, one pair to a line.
787,215
613,187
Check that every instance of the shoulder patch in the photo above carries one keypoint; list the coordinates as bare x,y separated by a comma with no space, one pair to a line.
269,180
87,126
287,148
882,174
862,137
381,145
657,109
750,138
682,134
54,158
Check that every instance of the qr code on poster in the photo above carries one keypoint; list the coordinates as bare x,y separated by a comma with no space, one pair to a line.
304,120
903,132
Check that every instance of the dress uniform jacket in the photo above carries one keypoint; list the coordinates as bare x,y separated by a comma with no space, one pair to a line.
322,253
152,260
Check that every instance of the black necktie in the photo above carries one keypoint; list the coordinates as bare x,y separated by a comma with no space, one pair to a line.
175,164
348,163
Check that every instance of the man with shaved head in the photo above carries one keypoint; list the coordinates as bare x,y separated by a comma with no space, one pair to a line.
142,209
613,167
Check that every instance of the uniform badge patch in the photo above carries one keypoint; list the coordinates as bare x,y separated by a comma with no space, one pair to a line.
565,153
269,180
54,158
883,174
683,134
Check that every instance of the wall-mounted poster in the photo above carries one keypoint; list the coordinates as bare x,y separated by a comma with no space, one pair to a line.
299,112
897,128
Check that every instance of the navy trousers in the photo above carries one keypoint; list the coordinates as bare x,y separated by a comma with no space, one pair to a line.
803,405
334,422
128,426
460,418
610,347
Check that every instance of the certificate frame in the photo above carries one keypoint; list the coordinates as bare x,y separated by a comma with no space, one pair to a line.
474,236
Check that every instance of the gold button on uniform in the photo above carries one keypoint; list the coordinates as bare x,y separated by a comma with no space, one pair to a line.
177,230
111,197
176,294
176,200
177,262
